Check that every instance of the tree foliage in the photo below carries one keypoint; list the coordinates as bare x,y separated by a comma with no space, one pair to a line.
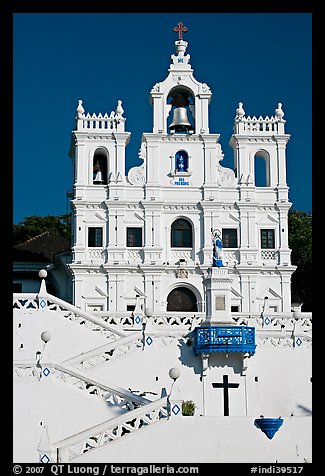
300,242
35,225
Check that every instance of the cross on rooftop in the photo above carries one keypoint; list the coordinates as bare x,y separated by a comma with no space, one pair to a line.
180,28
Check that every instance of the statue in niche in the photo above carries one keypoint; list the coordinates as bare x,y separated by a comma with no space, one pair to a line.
217,249
181,161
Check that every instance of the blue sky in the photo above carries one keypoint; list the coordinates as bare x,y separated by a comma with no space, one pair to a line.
259,59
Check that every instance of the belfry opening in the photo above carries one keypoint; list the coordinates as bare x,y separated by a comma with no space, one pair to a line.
181,117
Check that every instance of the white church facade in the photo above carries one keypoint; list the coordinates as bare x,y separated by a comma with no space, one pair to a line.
181,278
152,229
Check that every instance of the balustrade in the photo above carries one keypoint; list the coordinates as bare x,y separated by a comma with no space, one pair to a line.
107,352
177,254
69,449
260,124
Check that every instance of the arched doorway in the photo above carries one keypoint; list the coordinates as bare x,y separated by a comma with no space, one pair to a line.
182,299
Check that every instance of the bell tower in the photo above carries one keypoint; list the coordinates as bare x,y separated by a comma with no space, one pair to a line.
182,93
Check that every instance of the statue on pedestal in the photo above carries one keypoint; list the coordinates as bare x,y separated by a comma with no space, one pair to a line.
217,249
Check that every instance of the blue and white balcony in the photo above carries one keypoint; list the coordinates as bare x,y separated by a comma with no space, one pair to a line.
226,339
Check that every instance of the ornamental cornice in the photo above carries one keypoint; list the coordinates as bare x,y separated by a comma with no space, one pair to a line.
265,208
245,205
83,204
94,206
260,139
221,280
283,206
86,135
180,138
181,207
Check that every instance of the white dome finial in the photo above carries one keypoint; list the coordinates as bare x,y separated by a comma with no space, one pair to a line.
279,112
80,109
119,109
240,113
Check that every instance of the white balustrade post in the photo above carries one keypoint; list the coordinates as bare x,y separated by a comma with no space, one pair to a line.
42,300
174,398
45,449
175,402
138,315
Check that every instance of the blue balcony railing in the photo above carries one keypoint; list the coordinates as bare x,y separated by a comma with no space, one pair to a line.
224,339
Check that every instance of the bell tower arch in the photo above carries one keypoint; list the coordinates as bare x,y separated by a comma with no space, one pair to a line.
180,89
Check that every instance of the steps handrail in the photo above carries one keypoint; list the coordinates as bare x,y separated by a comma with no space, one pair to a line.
70,308
121,392
84,314
111,423
103,348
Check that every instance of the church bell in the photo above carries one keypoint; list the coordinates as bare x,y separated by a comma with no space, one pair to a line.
180,121
98,179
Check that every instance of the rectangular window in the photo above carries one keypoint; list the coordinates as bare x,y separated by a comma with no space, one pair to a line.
229,238
134,237
267,239
95,237
234,308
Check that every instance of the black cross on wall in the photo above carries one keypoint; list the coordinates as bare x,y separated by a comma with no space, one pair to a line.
225,385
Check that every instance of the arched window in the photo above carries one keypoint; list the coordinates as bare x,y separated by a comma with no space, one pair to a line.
100,167
181,161
181,234
262,169
181,299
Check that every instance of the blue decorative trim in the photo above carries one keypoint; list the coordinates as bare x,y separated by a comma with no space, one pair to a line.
137,319
43,303
298,342
46,372
176,409
224,339
149,340
269,426
45,459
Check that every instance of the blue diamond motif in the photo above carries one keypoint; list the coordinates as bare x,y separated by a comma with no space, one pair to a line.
137,319
298,342
267,321
42,303
46,371
149,341
45,459
176,409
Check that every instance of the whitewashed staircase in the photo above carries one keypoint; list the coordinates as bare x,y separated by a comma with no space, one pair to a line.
138,413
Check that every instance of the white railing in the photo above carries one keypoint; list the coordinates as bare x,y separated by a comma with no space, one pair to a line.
96,255
134,256
268,255
253,124
177,254
107,352
123,319
27,370
73,313
230,257
25,301
75,446
112,394
275,321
